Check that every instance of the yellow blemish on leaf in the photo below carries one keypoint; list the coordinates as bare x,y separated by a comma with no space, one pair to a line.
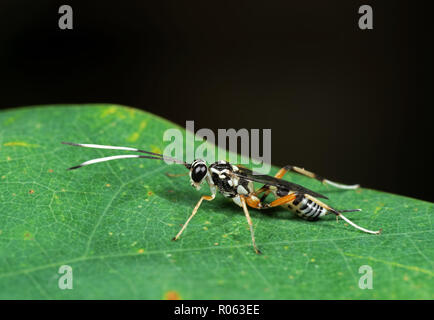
377,209
8,158
155,149
205,228
312,260
9,121
141,251
110,233
108,185
133,137
108,111
3,177
172,295
19,144
143,125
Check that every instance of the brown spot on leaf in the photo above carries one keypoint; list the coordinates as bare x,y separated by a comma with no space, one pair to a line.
28,236
50,170
31,191
172,295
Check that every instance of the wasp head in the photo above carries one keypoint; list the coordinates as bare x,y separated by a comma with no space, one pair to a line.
198,172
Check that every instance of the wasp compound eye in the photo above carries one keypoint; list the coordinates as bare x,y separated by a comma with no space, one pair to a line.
198,173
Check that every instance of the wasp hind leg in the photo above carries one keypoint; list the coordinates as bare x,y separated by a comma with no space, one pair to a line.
312,175
285,169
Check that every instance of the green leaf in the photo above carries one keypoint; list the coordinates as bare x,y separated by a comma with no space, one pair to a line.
113,223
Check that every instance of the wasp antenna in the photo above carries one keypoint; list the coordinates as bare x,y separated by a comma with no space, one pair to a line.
98,146
126,156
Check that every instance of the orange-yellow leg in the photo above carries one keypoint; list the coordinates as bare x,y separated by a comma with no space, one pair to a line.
266,189
305,173
249,221
208,198
280,201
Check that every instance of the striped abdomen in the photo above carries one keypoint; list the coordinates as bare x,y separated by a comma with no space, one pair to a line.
307,209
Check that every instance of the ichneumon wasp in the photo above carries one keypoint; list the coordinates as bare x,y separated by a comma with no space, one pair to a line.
236,182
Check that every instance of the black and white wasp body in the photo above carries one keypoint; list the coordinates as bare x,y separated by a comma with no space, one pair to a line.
237,183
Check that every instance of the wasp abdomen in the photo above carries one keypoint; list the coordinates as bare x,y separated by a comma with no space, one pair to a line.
307,209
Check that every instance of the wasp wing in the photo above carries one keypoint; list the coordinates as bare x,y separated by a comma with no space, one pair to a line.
272,181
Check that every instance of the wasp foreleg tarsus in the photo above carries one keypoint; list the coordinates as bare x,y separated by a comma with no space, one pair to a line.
208,198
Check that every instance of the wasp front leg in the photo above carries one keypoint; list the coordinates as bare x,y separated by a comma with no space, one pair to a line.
208,198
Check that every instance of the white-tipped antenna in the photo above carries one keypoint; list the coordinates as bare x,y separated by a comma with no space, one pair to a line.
339,214
97,146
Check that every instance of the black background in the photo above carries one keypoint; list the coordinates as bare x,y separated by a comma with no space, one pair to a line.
352,105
